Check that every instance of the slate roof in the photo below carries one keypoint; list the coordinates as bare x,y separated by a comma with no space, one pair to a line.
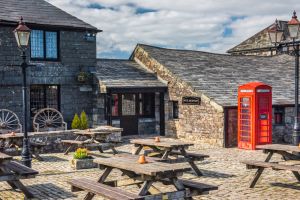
115,73
39,12
219,75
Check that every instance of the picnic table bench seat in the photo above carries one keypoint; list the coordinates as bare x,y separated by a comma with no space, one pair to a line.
20,169
101,189
197,188
192,155
252,164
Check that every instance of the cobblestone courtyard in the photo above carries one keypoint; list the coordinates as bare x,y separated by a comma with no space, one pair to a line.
222,169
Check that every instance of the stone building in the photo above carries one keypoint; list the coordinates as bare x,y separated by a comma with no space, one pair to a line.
180,93
260,44
61,46
211,81
129,96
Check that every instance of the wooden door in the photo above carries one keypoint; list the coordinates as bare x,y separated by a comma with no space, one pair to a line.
129,118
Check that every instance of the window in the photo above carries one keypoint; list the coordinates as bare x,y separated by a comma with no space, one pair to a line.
279,116
175,110
115,105
43,96
44,45
147,104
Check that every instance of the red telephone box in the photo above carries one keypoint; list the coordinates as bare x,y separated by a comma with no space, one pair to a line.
254,115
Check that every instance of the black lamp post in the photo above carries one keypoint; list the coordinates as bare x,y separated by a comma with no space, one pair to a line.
22,34
276,37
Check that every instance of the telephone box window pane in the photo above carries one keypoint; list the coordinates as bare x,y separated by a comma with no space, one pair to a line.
51,45
115,105
37,44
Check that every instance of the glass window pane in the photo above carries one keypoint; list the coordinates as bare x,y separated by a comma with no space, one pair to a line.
115,105
52,97
128,104
37,44
51,45
147,104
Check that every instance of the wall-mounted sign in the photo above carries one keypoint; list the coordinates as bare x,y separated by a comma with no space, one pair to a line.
263,90
191,100
246,90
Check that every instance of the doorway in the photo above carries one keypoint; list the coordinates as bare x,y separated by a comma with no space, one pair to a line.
129,118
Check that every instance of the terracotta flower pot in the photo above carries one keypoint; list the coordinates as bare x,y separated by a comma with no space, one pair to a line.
157,139
142,159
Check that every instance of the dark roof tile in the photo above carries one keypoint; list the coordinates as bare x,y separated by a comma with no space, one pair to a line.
39,12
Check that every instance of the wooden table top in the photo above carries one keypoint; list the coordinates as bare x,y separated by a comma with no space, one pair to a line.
279,147
151,168
91,133
4,157
167,143
10,136
108,129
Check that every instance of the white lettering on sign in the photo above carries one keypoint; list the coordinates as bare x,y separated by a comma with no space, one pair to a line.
263,90
246,91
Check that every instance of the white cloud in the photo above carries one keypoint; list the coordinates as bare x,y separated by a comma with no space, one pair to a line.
190,24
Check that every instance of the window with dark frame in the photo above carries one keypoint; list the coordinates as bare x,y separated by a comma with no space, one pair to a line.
175,110
279,116
115,105
44,45
147,104
43,96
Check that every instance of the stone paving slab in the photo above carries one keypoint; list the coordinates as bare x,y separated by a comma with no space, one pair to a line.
223,169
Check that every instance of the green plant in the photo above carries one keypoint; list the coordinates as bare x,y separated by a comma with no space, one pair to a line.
83,121
76,124
81,153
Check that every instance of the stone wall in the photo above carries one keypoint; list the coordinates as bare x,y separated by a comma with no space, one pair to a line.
283,133
76,54
203,123
52,139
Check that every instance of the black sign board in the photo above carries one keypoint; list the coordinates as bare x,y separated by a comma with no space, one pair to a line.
191,100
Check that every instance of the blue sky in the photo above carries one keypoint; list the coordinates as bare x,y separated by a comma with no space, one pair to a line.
205,25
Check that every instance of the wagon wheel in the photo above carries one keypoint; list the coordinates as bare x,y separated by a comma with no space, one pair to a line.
48,118
9,121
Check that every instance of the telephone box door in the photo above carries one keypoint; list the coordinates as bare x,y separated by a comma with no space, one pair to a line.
245,121
264,132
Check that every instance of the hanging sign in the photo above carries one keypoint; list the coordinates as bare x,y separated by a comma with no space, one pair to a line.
191,100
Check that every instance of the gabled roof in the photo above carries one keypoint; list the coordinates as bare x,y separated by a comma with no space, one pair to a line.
218,75
113,73
39,12
257,39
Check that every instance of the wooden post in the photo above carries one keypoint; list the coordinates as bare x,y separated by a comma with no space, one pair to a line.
162,113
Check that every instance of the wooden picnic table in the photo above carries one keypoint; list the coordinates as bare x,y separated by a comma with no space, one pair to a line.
169,147
12,172
96,137
291,161
142,175
10,140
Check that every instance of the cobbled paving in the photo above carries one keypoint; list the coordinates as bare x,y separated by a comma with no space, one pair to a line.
222,168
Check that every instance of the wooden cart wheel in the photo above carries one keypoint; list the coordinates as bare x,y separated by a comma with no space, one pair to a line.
48,119
9,122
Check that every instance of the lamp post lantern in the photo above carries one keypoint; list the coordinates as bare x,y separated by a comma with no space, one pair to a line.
276,37
22,34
